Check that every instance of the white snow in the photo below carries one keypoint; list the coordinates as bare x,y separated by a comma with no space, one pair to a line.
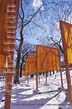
38,4
51,95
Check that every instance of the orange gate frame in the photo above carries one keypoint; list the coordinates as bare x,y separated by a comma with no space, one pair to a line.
66,32
30,65
9,17
51,57
8,24
48,59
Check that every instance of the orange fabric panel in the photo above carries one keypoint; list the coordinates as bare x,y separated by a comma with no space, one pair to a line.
55,59
2,63
1,23
47,59
66,30
8,24
27,66
6,64
41,58
31,64
50,64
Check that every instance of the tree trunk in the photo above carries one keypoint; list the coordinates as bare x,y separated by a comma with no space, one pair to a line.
16,77
53,72
50,73
21,69
61,48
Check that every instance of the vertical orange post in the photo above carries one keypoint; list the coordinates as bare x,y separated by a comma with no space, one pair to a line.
61,78
36,72
27,79
36,69
8,88
68,78
60,70
66,61
36,81
8,24
39,78
46,77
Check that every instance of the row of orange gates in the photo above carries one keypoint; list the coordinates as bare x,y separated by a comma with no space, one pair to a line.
46,58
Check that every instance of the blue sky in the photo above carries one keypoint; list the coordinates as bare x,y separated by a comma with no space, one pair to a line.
47,20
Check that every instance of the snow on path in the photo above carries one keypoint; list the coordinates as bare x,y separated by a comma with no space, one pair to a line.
51,96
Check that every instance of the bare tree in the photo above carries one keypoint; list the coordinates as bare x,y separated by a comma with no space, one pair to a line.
47,18
16,78
53,14
25,52
22,24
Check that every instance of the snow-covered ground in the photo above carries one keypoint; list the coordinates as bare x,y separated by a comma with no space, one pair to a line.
50,95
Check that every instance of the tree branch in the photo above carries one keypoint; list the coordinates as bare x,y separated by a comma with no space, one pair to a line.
26,23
